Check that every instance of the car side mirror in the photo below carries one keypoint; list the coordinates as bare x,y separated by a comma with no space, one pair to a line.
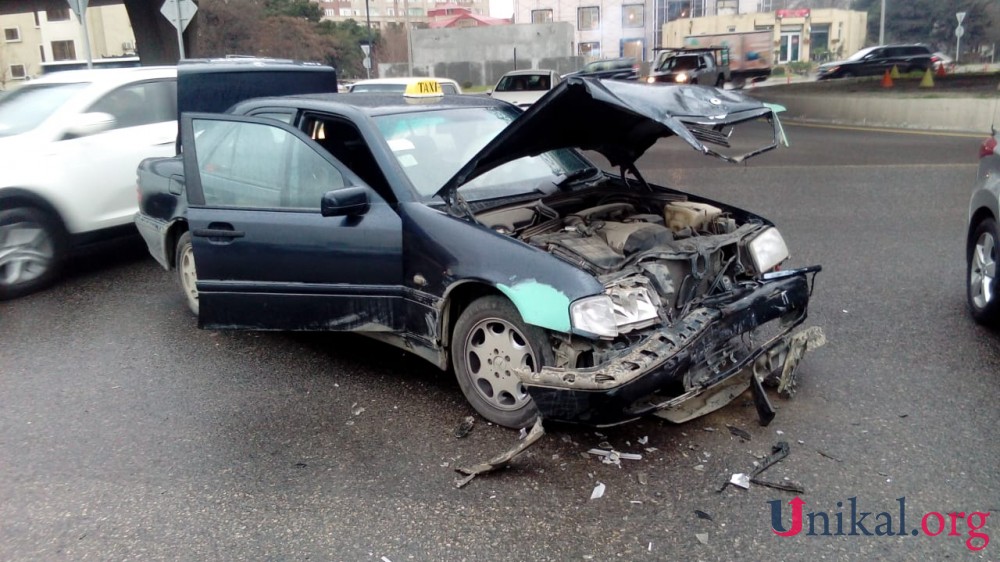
345,202
86,124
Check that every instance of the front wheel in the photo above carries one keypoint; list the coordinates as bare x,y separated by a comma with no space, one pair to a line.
720,82
491,341
32,248
187,274
983,252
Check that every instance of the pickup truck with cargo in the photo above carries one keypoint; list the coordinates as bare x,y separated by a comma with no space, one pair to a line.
714,60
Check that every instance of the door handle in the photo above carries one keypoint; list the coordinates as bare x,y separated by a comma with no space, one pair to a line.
217,233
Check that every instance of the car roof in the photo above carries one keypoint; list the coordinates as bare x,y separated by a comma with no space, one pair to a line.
371,104
403,80
529,72
115,75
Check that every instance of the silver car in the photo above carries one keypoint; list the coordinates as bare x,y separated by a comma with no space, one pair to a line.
983,242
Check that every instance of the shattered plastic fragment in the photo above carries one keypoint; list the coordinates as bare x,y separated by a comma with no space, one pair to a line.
641,477
643,440
702,537
465,427
738,432
504,458
700,468
740,479
357,410
598,491
702,515
523,434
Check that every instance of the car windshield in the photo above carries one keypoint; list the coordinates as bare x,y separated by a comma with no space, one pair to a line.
523,82
431,146
23,109
679,63
398,88
861,54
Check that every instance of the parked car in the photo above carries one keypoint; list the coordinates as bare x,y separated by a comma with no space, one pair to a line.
624,68
874,61
69,143
983,240
477,237
942,62
524,87
399,85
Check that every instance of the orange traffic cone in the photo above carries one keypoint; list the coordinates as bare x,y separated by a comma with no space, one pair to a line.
886,80
941,71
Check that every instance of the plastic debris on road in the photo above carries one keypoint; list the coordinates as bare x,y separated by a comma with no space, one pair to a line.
598,491
740,479
502,459
465,427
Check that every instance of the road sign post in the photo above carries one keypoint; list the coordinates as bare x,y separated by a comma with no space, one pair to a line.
959,32
179,14
79,8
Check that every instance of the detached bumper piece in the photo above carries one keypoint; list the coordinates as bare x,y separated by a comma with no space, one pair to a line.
649,378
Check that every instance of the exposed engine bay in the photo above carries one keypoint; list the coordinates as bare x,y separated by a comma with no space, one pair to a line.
664,261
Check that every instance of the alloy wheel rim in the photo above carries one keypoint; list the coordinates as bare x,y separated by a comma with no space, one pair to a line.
983,272
494,350
189,277
26,252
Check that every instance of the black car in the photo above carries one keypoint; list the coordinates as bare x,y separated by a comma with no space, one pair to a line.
479,238
623,68
874,61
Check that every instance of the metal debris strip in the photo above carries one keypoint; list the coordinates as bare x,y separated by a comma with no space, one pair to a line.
778,453
502,459
614,457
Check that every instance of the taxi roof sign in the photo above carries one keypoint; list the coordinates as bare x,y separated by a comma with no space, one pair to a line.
423,89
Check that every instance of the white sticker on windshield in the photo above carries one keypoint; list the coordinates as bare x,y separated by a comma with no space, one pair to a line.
397,145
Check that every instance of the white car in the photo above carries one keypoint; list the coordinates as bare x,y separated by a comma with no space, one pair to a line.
70,143
398,85
524,87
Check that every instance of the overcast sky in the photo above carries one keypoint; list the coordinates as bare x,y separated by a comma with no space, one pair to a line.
501,8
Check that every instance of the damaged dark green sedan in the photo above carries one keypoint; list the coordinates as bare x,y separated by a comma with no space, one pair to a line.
479,238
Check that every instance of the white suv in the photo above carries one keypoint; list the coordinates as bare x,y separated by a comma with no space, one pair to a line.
70,143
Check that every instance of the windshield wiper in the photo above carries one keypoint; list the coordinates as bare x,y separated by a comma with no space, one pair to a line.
573,177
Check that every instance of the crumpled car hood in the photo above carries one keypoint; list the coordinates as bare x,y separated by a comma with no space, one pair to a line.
618,119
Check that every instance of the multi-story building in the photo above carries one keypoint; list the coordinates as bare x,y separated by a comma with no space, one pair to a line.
36,42
383,12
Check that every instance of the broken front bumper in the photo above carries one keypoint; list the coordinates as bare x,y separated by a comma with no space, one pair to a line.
633,384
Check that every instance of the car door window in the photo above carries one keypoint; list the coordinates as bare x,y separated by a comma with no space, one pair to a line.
252,165
140,104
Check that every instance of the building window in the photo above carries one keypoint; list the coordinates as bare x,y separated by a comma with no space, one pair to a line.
57,14
764,6
592,49
588,18
632,15
12,34
17,72
541,16
63,50
390,12
819,43
416,12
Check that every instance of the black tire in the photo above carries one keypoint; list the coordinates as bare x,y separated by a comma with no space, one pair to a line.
187,273
484,374
720,82
33,246
982,288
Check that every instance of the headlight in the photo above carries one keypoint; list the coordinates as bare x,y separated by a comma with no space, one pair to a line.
681,77
767,250
651,80
594,315
635,307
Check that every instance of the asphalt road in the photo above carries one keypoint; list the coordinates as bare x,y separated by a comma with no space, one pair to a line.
127,433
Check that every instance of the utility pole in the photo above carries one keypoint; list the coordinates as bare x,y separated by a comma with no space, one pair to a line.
881,25
368,18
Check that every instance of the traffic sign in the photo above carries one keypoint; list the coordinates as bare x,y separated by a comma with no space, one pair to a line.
185,11
366,49
959,31
961,17
78,6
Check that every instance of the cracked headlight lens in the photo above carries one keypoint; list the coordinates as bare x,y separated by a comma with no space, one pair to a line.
767,250
595,316
634,307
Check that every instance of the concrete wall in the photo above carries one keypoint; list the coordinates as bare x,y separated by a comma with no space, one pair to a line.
481,55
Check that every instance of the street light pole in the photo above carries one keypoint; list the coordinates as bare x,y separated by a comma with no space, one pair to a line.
368,18
881,25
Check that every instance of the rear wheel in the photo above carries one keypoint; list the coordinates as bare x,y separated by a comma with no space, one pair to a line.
32,247
489,343
983,253
720,82
187,273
